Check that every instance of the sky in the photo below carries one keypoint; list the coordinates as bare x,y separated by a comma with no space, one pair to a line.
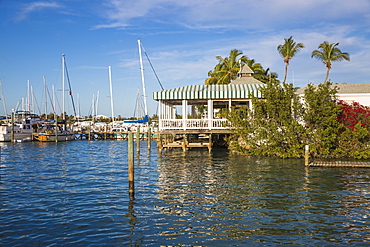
181,38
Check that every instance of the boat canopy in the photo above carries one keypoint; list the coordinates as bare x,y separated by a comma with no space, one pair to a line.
145,120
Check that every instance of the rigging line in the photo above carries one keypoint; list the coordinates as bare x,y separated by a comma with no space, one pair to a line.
37,103
51,101
151,65
70,89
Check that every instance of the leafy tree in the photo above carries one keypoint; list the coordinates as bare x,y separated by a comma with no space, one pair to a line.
227,68
288,50
265,75
272,128
321,118
328,53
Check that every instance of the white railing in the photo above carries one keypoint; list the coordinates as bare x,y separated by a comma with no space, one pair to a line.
187,124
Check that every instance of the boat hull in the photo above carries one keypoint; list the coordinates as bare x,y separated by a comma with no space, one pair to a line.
54,138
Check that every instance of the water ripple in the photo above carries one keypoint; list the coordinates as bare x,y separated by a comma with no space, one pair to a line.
76,194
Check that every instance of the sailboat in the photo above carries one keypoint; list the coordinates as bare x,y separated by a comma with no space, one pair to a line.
144,120
57,131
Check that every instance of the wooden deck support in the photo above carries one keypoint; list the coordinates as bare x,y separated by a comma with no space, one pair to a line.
189,140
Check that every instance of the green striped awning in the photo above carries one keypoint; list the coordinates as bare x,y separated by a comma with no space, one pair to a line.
229,91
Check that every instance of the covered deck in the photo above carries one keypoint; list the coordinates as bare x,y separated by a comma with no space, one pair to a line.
177,107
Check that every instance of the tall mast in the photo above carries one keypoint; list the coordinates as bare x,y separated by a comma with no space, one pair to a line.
111,91
63,93
142,77
45,98
28,101
97,103
3,99
54,102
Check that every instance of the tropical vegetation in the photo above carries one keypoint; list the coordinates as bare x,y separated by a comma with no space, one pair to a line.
328,53
281,125
227,68
288,50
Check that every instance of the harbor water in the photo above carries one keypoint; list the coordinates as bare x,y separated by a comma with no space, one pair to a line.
76,194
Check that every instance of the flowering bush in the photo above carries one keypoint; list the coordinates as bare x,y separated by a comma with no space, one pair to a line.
354,138
352,114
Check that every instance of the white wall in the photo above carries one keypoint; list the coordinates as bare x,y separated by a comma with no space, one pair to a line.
363,99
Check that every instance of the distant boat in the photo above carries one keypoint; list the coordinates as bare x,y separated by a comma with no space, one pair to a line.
50,132
21,129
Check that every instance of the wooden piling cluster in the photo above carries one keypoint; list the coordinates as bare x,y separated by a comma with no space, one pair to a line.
185,141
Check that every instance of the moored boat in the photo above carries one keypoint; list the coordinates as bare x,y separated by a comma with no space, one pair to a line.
19,130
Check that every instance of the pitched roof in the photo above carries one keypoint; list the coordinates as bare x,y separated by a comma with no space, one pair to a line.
245,76
347,88
246,80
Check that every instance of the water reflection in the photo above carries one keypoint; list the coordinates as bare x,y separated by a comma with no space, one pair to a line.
77,194
256,199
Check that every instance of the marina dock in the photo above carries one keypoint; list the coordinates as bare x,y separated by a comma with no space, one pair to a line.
339,164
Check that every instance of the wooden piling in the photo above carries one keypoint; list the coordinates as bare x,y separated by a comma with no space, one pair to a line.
149,135
131,179
138,139
159,142
12,134
306,155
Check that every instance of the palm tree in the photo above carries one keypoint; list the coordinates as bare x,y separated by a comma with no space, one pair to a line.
288,50
227,68
328,53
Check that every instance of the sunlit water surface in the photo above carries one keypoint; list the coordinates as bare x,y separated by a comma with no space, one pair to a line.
76,194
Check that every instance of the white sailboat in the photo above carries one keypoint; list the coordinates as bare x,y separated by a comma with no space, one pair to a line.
53,132
145,118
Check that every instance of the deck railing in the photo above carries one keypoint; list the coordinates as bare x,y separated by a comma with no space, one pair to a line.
187,124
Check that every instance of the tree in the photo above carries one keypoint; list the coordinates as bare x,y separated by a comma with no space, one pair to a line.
328,53
273,127
227,68
321,118
288,50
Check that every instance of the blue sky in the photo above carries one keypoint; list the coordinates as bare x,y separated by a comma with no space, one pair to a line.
182,39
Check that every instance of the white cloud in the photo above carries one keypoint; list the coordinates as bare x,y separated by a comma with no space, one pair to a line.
234,14
27,9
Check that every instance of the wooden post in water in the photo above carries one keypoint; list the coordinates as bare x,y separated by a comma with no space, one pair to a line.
131,180
56,131
12,136
138,139
149,134
159,142
306,155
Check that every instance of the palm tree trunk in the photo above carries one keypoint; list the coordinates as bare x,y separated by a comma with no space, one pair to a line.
327,75
285,71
